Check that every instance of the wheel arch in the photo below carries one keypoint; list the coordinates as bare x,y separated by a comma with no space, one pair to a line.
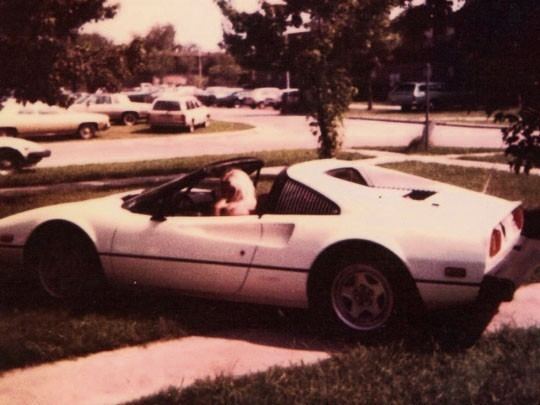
363,247
12,151
52,228
11,131
131,112
93,124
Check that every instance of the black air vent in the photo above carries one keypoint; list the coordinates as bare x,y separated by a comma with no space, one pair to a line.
419,194
298,199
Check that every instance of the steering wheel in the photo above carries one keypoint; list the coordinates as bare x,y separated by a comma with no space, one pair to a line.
183,202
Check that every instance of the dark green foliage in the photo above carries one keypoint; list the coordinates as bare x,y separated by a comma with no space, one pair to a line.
523,138
34,42
338,37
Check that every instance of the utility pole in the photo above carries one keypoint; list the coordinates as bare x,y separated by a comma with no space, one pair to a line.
427,123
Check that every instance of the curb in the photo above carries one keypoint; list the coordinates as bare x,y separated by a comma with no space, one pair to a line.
442,123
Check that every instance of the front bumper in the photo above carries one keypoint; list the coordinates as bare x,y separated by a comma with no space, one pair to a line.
35,157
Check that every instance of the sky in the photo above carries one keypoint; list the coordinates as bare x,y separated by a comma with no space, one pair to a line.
196,21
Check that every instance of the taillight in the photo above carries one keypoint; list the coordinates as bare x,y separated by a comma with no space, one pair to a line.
495,242
519,218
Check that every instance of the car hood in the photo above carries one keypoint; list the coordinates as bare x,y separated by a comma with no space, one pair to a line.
20,144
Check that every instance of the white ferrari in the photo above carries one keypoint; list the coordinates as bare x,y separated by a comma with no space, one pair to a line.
362,245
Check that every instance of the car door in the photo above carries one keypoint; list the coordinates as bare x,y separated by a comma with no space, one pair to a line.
191,254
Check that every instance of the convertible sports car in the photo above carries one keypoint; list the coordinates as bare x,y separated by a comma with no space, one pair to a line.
361,245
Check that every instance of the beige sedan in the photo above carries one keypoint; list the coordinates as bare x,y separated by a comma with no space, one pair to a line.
41,119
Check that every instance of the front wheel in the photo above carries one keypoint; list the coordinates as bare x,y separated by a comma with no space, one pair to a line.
67,268
9,163
129,118
86,131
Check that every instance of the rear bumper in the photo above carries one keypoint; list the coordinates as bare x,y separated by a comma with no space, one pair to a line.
513,271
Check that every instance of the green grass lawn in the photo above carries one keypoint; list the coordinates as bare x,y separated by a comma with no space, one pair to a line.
495,158
382,111
502,184
433,150
503,368
56,175
143,130
35,328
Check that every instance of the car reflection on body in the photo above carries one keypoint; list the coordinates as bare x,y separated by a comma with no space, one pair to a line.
363,246
41,119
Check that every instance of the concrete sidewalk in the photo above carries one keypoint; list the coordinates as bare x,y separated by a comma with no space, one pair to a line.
127,374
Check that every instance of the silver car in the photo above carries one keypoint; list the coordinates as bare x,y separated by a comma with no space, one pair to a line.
117,106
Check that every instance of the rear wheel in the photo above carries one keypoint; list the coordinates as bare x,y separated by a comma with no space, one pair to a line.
365,296
86,131
129,118
67,266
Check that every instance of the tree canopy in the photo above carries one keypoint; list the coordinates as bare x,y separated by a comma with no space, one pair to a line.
339,36
34,43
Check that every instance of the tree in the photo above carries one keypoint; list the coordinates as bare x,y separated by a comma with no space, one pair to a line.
34,39
501,41
338,29
93,62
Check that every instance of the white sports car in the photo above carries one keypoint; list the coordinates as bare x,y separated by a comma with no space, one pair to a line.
362,245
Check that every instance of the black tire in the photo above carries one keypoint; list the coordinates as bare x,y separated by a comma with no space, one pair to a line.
68,267
362,296
406,108
10,162
129,118
86,131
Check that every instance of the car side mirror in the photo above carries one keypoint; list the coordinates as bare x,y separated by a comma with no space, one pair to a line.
159,214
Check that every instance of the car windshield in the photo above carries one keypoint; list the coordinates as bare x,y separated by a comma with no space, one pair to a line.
147,200
167,106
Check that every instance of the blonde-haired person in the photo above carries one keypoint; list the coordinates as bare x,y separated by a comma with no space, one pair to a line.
238,194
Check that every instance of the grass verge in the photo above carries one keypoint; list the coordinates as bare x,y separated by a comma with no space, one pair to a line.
501,369
501,184
495,158
57,175
434,150
143,130
393,113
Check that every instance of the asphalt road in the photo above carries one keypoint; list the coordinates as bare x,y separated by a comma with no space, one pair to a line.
271,132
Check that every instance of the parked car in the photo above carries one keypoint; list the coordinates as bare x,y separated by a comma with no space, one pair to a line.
16,154
214,94
117,106
178,111
362,245
263,97
41,119
411,95
293,102
235,99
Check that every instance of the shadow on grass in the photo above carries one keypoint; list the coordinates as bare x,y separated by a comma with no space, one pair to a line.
36,328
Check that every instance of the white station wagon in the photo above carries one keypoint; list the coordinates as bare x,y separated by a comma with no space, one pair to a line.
177,111
361,245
